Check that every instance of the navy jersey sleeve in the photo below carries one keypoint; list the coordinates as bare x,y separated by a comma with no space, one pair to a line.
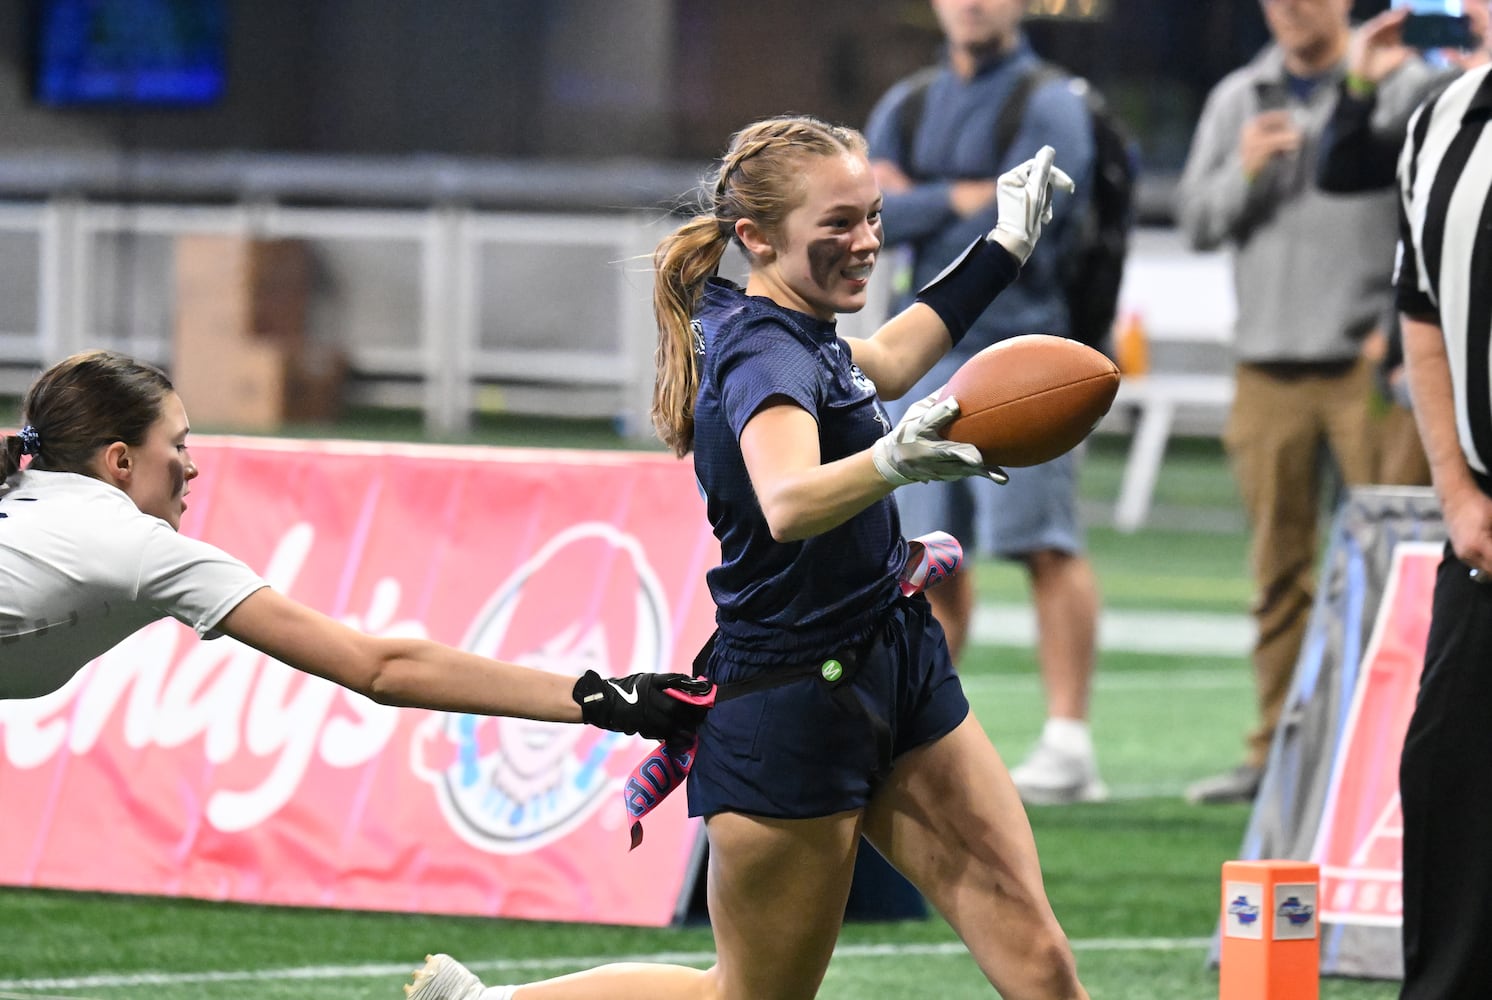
761,360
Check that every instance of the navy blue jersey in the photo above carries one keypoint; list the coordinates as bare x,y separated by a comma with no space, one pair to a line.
803,598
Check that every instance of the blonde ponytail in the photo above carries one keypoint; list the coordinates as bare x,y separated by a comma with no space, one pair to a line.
683,261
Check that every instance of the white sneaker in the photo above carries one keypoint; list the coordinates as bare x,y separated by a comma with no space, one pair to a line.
443,978
1051,776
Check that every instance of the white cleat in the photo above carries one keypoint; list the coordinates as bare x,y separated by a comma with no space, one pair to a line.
1052,777
443,978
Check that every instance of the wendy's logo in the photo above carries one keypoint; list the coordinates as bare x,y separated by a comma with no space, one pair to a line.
586,600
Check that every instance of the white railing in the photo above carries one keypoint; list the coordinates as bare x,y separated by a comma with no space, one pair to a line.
586,328
450,348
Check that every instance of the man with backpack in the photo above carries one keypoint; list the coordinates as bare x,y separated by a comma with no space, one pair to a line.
938,140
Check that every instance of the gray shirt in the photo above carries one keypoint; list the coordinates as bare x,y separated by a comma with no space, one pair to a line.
1312,271
82,568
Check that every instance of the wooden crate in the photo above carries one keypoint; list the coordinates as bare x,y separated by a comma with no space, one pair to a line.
241,359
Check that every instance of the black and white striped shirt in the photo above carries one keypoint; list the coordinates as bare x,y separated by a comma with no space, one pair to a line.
1444,270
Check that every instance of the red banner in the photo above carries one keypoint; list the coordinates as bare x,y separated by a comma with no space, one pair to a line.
180,767
1360,842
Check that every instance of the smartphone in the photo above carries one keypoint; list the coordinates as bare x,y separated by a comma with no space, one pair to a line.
1271,95
1436,24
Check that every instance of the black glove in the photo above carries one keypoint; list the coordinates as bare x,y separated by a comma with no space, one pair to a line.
660,707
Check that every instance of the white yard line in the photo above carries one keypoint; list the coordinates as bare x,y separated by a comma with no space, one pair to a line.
1129,681
383,971
1174,633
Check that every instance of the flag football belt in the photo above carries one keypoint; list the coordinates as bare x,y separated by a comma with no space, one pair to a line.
931,558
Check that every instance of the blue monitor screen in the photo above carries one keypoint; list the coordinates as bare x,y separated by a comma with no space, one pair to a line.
130,52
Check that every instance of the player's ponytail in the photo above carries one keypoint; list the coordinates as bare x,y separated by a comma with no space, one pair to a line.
758,179
683,262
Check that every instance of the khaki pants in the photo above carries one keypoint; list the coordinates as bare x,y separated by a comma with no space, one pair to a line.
1280,419
1401,456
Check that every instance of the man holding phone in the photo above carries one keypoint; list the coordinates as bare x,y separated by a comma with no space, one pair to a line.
1311,274
1361,147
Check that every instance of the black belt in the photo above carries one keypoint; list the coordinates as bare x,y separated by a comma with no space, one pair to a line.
838,672
668,765
1291,371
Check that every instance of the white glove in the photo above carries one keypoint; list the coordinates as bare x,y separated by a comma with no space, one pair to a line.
914,451
1023,197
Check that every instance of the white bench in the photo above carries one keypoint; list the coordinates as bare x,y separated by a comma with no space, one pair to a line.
1181,296
1156,398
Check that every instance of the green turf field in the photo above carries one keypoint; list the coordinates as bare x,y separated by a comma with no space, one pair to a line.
1135,881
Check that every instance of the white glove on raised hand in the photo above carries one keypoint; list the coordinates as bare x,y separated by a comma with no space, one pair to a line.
914,451
1023,198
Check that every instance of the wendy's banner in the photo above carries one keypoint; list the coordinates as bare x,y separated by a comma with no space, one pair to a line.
175,766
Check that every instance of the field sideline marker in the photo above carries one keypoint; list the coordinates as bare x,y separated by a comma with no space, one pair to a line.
1271,942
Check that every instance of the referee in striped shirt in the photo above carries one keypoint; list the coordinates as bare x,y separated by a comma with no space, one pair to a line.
1445,775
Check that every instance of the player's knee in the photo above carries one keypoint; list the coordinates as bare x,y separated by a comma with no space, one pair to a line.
1050,561
1051,970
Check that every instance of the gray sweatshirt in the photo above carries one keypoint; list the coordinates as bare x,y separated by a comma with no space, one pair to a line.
1312,271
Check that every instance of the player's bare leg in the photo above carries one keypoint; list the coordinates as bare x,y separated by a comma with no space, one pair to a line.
1062,767
444,978
1064,593
953,605
951,820
777,892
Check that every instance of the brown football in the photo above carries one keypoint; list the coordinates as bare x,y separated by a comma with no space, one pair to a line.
1026,400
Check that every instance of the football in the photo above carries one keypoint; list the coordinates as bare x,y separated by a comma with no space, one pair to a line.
1026,400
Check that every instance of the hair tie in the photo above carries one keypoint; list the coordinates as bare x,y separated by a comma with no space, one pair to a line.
30,441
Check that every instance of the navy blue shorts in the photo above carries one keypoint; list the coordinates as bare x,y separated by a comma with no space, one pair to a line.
796,751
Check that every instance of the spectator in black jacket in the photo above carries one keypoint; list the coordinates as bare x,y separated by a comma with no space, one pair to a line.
1359,153
1360,149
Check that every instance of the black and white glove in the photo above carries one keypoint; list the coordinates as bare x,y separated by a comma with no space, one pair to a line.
662,707
914,451
1023,197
